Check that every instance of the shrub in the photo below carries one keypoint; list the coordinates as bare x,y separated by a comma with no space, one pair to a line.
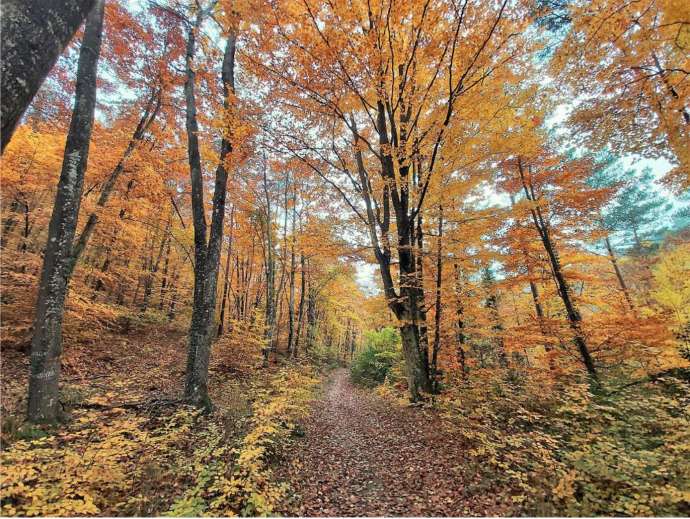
627,452
378,360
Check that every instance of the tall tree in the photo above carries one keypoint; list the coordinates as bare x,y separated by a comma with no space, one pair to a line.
401,73
538,210
46,343
207,249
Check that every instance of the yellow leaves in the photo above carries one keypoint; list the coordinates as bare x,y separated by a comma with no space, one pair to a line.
565,488
235,479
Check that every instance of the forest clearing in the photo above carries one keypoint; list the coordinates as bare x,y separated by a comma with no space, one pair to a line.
383,258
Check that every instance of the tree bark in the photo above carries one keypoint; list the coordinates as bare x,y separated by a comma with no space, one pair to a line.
291,302
34,34
300,314
404,305
271,306
46,343
437,317
207,253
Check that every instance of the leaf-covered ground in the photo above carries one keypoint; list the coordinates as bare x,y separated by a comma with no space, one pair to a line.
364,457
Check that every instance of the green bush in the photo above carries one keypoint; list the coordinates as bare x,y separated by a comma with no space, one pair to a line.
376,362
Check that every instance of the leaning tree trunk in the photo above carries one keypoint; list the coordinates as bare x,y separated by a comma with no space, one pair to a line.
34,34
150,112
46,343
207,253
614,261
572,312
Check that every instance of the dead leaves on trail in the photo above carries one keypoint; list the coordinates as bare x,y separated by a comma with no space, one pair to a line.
363,457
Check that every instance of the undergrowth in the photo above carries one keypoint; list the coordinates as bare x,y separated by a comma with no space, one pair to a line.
570,451
169,462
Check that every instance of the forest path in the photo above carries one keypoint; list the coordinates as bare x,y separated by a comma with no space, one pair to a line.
366,457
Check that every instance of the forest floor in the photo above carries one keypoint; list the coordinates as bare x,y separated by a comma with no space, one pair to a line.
363,456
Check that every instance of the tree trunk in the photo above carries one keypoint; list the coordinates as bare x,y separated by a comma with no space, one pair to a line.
153,270
291,302
437,317
207,253
572,312
616,268
404,305
164,280
46,343
271,298
226,285
300,315
34,34
145,122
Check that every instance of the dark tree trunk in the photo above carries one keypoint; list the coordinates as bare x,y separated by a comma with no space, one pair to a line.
207,253
300,314
150,278
535,298
145,122
271,296
164,280
34,34
226,285
291,302
460,331
46,343
404,305
437,318
573,314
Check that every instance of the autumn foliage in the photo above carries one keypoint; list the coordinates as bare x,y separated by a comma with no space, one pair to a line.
480,208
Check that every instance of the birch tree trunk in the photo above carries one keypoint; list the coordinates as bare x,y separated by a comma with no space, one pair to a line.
46,343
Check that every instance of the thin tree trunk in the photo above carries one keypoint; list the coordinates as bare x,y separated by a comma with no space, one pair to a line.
271,298
573,314
164,280
291,304
300,315
437,317
145,122
616,268
226,286
150,278
46,343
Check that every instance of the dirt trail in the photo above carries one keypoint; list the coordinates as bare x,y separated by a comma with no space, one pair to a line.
363,457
